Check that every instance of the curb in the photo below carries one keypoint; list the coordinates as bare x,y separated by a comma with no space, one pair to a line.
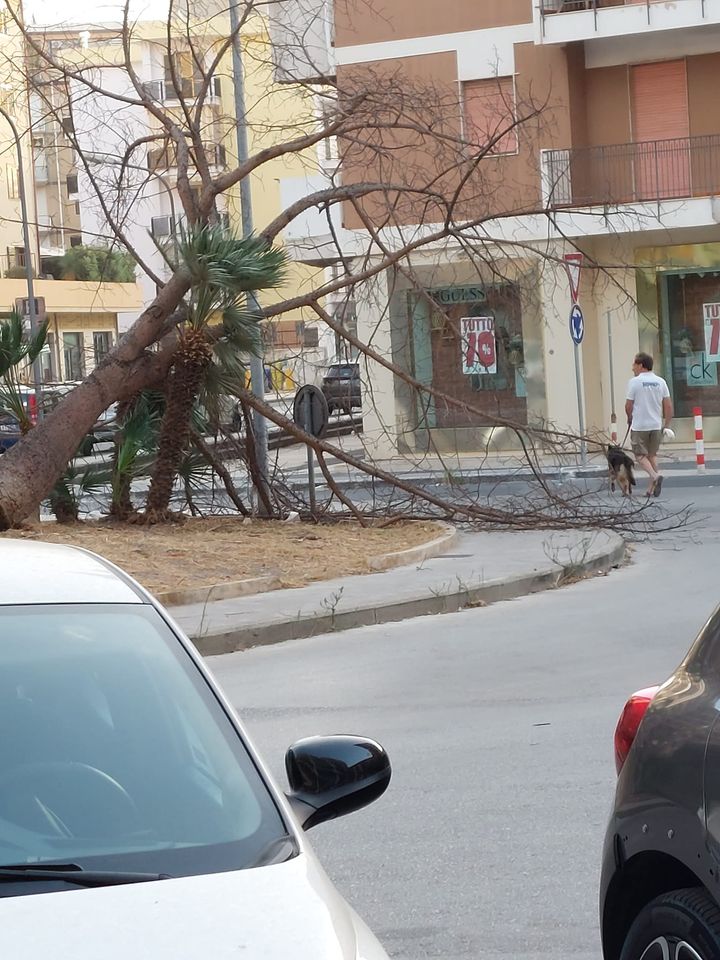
415,555
544,578
220,591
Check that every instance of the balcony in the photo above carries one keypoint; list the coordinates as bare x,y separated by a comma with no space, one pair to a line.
163,160
566,21
630,173
164,91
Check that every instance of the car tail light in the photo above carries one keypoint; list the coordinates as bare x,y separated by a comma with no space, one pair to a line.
629,723
33,407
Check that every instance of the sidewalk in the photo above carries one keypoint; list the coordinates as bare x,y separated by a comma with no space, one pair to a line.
482,568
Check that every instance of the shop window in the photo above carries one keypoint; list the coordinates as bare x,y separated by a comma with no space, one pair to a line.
692,341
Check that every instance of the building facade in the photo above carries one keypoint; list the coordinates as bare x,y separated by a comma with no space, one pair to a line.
619,162
134,169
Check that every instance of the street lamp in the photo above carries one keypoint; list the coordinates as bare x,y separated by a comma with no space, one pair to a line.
32,314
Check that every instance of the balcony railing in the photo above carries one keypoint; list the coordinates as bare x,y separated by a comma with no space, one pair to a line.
632,172
165,91
572,6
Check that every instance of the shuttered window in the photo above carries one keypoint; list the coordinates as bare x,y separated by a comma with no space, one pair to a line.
661,130
659,101
489,113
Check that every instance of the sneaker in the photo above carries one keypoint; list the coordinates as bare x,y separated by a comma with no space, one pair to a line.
658,486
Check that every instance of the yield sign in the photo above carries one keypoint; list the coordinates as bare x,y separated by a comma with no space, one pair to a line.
573,266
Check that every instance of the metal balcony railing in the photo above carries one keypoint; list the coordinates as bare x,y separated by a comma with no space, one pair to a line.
164,91
572,6
632,172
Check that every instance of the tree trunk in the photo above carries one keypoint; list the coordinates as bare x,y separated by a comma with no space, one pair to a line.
121,505
29,469
191,360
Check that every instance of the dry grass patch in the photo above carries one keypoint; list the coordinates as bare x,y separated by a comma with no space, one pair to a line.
201,552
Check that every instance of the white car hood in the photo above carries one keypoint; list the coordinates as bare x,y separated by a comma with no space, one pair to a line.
288,910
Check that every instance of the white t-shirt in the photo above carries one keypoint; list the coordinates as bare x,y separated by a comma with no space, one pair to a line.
647,392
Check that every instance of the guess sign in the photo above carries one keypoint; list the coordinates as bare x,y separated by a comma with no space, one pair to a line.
479,354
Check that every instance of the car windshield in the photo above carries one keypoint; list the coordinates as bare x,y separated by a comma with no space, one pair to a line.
343,372
114,752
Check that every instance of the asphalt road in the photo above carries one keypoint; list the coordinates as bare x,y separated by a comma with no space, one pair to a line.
499,722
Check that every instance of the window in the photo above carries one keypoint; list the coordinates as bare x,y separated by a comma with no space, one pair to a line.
73,345
11,175
68,126
72,183
102,344
489,114
75,240
108,687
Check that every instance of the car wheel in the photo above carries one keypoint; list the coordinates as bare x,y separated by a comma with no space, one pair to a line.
681,925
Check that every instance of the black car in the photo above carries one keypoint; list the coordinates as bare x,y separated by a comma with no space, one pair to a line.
660,888
341,386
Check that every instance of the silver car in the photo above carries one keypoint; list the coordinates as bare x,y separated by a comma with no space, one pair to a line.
128,785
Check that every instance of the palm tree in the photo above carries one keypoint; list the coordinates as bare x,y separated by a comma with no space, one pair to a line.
224,270
17,354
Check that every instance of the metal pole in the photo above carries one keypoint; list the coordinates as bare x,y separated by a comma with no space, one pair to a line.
613,415
37,376
307,426
581,412
257,371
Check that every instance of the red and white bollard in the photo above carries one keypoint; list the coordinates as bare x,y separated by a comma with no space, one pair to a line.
613,428
699,440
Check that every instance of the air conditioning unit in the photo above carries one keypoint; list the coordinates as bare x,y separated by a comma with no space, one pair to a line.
162,227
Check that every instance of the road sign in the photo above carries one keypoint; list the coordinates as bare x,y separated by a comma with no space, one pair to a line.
577,324
573,266
310,410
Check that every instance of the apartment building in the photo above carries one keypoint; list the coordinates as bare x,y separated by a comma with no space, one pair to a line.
141,191
622,164
82,317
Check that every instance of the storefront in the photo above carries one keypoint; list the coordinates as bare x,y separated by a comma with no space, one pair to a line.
478,343
681,325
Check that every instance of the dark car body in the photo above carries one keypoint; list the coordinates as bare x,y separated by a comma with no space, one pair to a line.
664,832
341,386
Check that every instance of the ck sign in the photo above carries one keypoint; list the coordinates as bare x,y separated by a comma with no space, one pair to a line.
711,316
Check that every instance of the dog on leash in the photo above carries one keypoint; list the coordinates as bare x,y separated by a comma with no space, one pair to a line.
620,470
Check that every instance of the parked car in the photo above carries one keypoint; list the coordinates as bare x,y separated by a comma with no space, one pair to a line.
341,386
660,887
123,768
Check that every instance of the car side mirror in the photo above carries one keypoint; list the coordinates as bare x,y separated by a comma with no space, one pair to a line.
332,776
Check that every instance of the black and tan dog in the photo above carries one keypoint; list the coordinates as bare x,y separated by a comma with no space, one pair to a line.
620,469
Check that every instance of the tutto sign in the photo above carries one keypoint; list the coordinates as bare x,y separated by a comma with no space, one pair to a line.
447,296
479,354
711,321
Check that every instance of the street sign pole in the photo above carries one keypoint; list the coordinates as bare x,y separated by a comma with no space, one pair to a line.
310,457
581,411
577,332
310,411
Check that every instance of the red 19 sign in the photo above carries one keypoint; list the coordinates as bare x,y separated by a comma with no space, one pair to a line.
711,316
478,345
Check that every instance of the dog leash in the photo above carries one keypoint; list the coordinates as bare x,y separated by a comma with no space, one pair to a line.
627,434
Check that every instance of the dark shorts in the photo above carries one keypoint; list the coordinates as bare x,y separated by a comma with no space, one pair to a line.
645,443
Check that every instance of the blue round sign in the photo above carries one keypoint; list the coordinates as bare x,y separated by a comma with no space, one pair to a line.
577,324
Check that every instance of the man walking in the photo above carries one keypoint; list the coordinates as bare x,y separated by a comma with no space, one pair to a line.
649,411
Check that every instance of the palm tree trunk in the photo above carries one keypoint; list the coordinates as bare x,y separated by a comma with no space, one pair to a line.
121,505
184,383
